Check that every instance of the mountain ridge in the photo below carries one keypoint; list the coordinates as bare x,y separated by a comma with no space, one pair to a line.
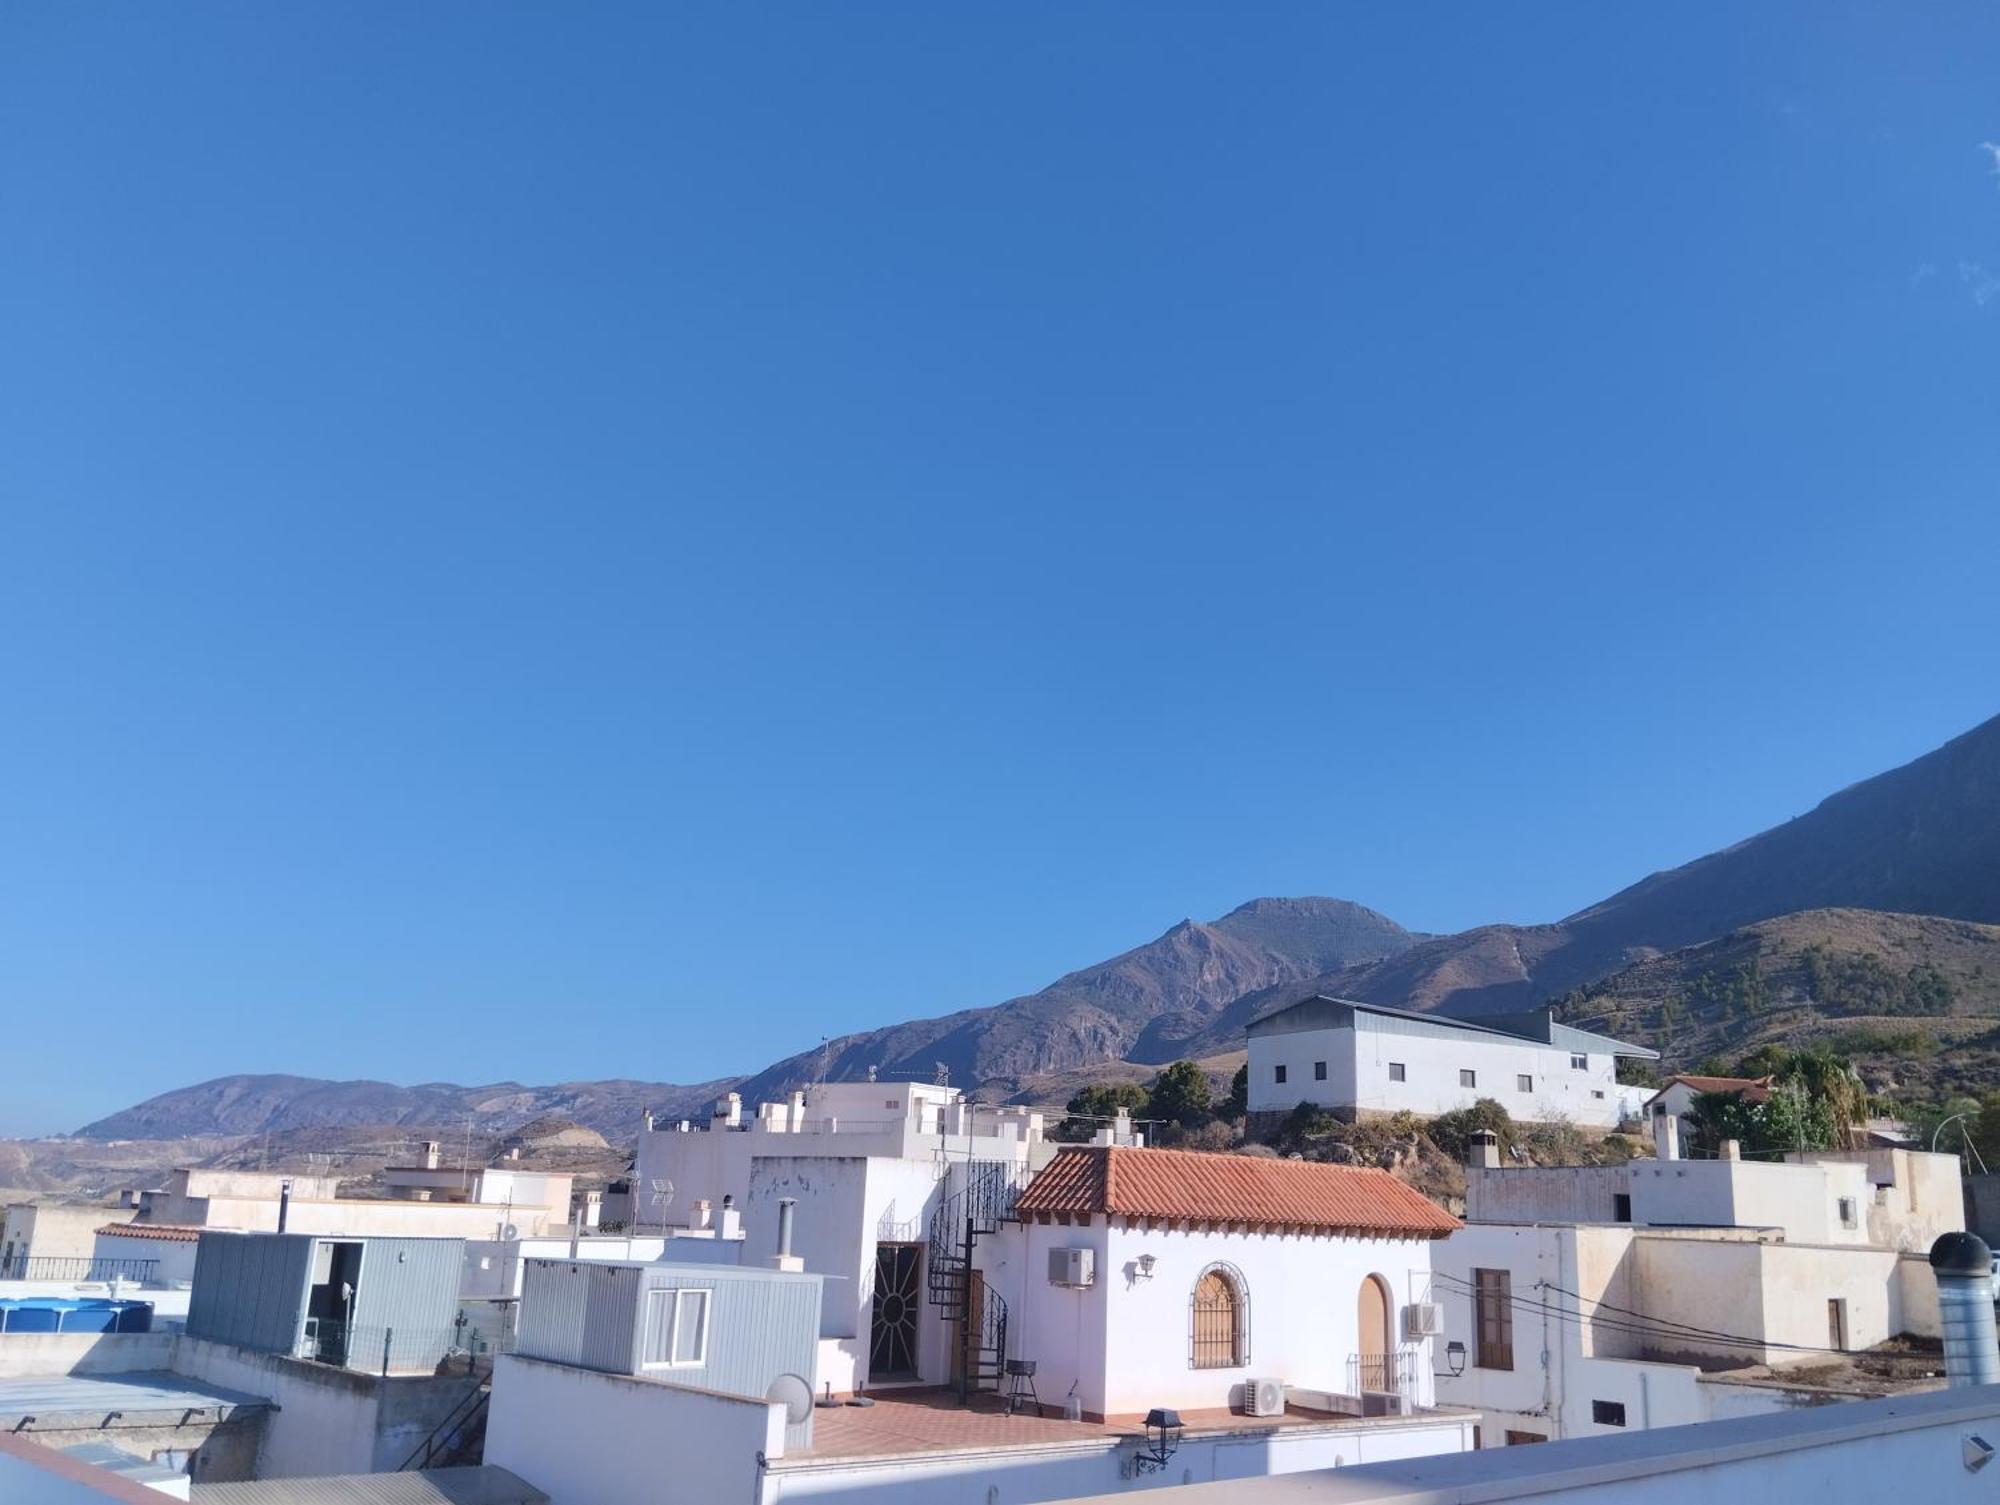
1922,839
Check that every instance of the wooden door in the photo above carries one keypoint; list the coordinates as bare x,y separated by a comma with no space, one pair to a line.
1376,1347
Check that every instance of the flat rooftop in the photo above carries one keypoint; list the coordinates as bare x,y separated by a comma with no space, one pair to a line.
68,1400
906,1422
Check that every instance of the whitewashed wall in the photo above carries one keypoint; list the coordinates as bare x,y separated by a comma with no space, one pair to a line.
586,1438
1304,1294
1358,1061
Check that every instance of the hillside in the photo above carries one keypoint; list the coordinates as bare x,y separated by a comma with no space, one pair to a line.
1920,839
1914,999
259,1105
1145,1005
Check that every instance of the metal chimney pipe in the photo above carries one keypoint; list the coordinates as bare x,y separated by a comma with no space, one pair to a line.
284,1203
1963,1266
785,1206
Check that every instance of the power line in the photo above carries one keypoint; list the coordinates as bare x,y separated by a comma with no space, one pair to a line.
1637,1324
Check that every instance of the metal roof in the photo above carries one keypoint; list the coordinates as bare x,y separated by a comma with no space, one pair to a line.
1537,1026
52,1399
484,1485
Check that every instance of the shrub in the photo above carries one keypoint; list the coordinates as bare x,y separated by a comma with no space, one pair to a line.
1452,1132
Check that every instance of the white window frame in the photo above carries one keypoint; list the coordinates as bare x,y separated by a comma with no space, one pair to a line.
1578,1061
678,1296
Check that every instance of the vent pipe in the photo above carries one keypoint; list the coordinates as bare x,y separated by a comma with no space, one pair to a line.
784,1259
1667,1136
1963,1265
284,1203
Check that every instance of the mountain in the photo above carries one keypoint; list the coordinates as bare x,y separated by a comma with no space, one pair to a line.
274,1104
1920,839
1143,1006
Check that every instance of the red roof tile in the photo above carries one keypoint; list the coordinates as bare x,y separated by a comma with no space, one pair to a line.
1213,1188
1750,1089
171,1233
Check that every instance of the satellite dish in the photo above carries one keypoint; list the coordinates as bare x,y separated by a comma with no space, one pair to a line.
794,1394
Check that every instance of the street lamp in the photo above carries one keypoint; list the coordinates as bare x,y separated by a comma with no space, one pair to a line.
1969,1113
1454,1357
1163,1431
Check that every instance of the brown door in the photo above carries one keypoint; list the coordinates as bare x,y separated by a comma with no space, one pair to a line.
964,1344
1373,1327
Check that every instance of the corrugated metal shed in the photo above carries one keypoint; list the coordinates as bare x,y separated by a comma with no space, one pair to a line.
760,1323
408,1287
437,1486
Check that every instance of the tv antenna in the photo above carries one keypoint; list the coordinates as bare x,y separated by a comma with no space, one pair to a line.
661,1199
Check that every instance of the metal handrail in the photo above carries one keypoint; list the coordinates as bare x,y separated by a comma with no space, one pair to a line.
77,1268
445,1435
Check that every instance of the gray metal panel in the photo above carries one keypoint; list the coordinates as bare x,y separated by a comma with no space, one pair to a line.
555,1298
761,1324
250,1289
408,1287
610,1326
438,1486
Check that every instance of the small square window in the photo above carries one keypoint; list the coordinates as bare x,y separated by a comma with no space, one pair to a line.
1598,1093
1278,1075
1579,1063
1524,1082
676,1334
1398,1072
1319,1071
1847,1218
1608,1413
1468,1079
1621,1207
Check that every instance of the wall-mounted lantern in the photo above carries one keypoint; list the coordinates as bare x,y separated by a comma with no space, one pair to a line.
1454,1357
1163,1434
1146,1266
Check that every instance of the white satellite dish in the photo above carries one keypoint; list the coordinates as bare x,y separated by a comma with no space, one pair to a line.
794,1394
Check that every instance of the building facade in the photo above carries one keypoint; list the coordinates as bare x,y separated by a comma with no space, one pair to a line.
1363,1060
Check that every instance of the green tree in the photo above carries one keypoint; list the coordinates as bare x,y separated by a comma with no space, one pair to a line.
1181,1096
1452,1132
1237,1104
1096,1105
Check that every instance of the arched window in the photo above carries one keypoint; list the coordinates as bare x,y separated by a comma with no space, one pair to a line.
1219,1319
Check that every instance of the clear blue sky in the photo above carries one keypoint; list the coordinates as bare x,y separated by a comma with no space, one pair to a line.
546,541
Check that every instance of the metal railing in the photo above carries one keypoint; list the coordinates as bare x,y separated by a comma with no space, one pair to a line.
77,1268
1391,1373
398,1350
453,1437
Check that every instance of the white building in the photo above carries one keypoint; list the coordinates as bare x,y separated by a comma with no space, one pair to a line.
1587,1300
1128,1278
1677,1094
1364,1060
869,1165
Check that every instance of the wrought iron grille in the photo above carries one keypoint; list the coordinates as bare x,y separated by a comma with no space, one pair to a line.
1381,1372
1219,1320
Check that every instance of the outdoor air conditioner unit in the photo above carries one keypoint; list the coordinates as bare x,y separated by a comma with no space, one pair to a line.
1385,1403
1264,1397
1072,1267
1423,1319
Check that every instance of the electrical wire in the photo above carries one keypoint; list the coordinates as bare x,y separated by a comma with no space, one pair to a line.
1638,1324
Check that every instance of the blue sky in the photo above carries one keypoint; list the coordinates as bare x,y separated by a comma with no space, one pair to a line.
559,541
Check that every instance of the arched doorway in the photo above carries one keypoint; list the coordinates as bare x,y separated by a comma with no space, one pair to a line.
1376,1336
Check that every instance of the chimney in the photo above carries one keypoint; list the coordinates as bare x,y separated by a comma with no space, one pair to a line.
284,1203
433,1152
1484,1151
732,1221
1963,1266
1667,1135
647,1119
704,1213
1732,1149
784,1259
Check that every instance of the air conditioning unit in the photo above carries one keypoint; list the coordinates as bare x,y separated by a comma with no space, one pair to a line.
1072,1267
1264,1397
1385,1403
1423,1319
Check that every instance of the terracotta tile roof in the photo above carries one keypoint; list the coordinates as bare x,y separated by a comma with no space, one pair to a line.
168,1233
1217,1188
1750,1089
